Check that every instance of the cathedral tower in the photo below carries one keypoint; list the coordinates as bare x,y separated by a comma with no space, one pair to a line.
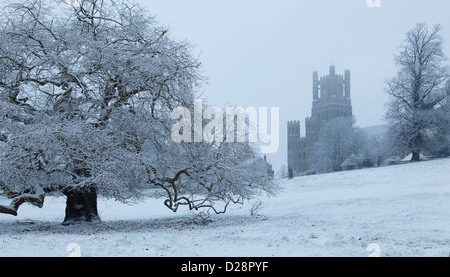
331,99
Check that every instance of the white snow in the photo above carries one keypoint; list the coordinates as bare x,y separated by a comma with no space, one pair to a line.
404,209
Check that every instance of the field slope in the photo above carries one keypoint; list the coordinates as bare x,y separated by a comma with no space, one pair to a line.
404,209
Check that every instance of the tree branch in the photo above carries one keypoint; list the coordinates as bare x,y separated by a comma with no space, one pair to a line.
35,200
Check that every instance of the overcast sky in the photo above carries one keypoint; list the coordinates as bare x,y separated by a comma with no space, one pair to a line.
262,53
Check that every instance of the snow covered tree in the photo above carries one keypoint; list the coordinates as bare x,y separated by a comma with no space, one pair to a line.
415,114
283,173
338,140
378,149
86,95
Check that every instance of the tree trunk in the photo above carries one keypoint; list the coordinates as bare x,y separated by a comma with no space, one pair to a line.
415,157
81,206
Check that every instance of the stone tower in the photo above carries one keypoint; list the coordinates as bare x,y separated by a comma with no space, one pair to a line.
293,144
331,99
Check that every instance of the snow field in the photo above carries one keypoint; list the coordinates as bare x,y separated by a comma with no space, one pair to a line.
404,209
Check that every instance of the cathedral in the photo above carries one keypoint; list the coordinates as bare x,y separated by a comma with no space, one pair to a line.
331,99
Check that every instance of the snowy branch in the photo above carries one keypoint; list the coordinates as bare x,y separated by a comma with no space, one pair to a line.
17,199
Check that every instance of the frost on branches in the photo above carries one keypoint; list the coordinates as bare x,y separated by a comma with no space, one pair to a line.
418,113
86,94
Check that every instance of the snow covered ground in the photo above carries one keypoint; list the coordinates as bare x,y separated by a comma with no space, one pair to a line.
404,209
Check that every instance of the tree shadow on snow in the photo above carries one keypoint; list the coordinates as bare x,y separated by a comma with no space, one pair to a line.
125,226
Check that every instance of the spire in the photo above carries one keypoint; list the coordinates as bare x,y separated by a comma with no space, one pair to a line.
332,70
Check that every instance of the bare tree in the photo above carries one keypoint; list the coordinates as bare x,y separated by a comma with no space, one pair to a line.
418,93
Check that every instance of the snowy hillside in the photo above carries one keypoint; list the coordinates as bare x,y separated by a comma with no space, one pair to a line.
404,209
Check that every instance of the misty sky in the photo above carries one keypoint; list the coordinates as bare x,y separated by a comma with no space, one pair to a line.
262,53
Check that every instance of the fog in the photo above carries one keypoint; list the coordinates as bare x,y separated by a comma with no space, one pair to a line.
262,53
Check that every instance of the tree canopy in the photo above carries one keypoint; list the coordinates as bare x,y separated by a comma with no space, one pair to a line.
86,94
418,118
